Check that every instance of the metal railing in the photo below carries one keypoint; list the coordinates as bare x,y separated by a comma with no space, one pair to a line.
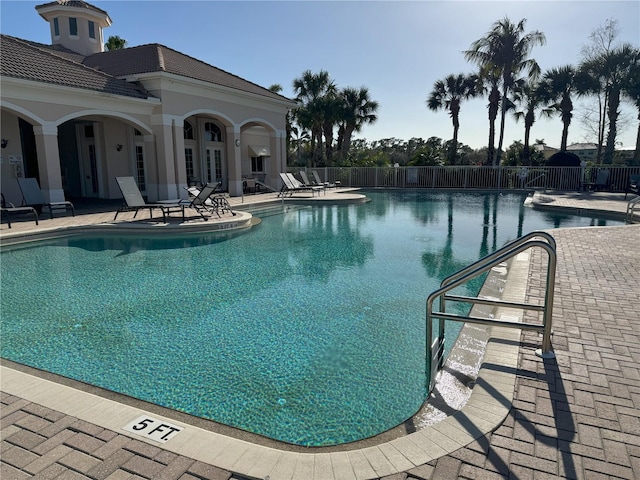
476,177
632,205
435,347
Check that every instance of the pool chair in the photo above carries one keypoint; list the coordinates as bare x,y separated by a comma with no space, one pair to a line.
297,184
305,181
32,197
288,188
133,201
602,180
8,209
326,184
205,199
633,186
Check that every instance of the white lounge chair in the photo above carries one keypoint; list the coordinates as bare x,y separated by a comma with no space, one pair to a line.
133,200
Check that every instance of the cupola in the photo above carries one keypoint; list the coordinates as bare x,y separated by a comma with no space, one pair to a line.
76,25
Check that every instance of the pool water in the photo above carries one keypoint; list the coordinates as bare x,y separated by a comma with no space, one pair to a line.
309,328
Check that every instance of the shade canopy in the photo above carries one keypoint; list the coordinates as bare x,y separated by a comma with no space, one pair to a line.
259,151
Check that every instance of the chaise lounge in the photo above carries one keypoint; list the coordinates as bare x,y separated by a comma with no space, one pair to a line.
133,201
9,209
32,197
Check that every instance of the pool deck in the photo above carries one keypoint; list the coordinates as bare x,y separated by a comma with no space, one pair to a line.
574,416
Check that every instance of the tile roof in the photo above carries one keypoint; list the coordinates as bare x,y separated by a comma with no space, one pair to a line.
74,4
58,66
154,57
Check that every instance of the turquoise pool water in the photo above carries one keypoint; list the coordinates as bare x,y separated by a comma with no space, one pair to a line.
308,328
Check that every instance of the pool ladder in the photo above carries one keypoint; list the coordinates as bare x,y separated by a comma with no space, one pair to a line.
435,346
631,207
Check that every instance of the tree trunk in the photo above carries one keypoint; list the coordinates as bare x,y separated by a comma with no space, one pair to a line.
503,114
636,157
614,102
494,105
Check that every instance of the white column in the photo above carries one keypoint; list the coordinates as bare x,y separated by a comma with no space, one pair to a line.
234,161
49,162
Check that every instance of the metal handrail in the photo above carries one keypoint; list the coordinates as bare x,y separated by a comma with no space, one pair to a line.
631,206
435,348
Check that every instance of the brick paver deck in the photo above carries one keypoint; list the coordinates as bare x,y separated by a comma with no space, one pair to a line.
575,416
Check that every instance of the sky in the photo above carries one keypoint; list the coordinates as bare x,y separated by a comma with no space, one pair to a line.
397,49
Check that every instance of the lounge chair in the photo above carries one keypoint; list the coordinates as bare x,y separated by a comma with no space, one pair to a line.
633,186
326,184
205,199
32,197
288,187
298,184
199,200
9,209
133,201
305,181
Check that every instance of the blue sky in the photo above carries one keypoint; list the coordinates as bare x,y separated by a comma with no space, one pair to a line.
397,49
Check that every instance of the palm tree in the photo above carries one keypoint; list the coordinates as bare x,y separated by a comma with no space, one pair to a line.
507,48
310,89
448,94
357,110
275,88
632,91
621,66
490,80
528,96
115,43
557,86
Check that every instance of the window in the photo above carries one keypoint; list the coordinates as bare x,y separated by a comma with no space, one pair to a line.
212,132
218,165
56,27
257,164
92,30
188,131
73,26
88,131
140,168
188,160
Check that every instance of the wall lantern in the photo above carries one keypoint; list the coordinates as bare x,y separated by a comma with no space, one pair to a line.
119,147
4,143
237,142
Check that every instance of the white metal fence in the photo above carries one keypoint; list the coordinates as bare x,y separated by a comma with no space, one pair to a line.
485,178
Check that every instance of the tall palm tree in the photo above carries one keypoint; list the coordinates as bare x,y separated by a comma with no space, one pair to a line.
331,112
632,91
489,77
527,95
310,89
620,65
448,94
357,110
275,87
507,48
114,42
558,85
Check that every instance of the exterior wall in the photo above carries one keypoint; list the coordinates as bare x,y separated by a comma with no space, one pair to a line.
11,163
47,107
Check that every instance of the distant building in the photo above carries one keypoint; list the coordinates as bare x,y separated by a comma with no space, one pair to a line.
75,116
546,150
587,152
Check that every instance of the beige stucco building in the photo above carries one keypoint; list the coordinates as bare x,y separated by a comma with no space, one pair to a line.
75,116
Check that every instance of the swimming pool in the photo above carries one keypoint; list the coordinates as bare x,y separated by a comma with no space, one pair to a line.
308,329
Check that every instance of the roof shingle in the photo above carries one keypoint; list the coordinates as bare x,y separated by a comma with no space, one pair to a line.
41,63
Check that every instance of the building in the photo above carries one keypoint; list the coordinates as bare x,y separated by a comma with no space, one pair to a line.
587,152
75,116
